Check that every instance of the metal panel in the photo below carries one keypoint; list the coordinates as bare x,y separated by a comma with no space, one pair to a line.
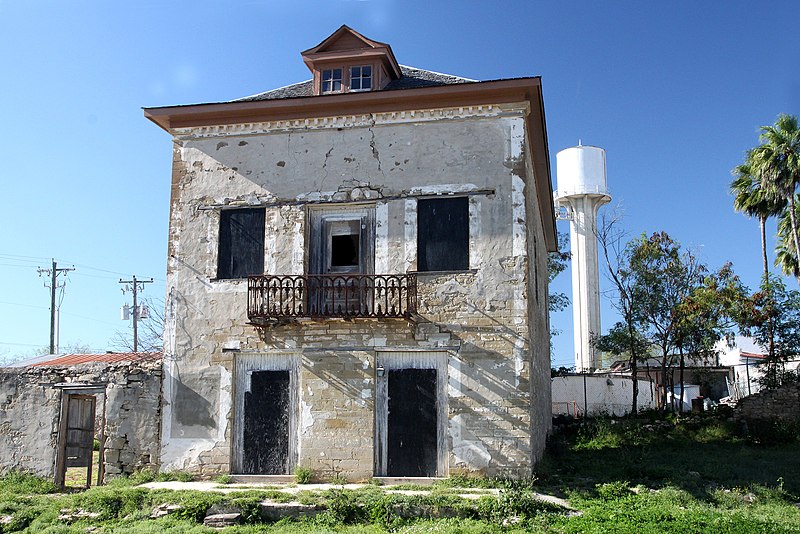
246,366
443,234
389,361
241,243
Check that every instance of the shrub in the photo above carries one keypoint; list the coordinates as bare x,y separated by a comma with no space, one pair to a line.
303,475
18,482
612,491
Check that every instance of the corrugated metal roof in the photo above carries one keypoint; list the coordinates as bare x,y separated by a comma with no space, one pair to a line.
76,359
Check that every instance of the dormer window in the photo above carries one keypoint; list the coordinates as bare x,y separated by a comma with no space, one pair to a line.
361,78
332,81
348,62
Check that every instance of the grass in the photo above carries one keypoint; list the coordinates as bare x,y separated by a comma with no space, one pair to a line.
645,475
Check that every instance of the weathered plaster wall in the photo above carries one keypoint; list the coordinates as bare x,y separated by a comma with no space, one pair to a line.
30,405
483,317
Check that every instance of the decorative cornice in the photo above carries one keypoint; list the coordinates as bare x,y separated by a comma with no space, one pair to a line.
364,120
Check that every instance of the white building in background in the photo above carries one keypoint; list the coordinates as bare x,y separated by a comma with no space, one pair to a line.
582,189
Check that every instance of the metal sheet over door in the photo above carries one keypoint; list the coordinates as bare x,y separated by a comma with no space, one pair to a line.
411,442
411,414
265,429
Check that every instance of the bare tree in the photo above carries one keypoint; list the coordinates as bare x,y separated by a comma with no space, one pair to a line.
151,330
625,336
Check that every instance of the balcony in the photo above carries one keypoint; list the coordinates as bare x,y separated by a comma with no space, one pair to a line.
348,296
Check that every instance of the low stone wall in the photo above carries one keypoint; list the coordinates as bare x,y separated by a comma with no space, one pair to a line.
782,403
30,405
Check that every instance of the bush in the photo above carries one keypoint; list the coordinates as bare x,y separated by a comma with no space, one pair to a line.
612,491
17,482
773,431
303,475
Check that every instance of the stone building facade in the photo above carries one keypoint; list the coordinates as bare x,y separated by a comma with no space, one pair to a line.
357,274
119,402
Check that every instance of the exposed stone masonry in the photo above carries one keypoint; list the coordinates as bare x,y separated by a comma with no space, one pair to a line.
30,405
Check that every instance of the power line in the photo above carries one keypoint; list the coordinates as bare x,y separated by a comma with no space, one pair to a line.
134,286
54,285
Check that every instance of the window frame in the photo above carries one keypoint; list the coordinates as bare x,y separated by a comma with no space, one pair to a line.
332,80
229,248
444,233
360,78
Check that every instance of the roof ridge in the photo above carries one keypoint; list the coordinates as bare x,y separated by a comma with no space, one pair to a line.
438,73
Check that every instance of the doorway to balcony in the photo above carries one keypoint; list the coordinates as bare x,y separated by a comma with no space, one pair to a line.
341,251
266,420
411,414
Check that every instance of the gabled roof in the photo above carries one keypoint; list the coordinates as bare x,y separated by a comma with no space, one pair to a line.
347,42
412,78
51,360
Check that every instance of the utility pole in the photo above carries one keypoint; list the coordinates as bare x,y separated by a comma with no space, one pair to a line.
53,273
134,286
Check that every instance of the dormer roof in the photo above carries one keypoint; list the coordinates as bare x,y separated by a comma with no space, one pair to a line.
347,44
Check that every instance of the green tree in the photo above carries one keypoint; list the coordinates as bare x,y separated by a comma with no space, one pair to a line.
772,317
777,163
753,200
557,262
705,315
785,256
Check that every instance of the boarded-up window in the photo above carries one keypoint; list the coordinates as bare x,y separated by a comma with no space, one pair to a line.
443,234
241,243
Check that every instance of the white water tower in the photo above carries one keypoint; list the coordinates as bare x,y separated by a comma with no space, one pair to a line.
582,189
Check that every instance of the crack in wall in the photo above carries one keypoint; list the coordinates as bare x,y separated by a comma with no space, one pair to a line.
325,168
375,153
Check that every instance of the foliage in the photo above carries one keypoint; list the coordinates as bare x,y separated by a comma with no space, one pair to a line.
643,474
17,482
557,262
754,200
669,301
776,165
303,475
772,317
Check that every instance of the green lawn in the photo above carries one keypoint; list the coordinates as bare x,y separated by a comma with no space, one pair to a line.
643,475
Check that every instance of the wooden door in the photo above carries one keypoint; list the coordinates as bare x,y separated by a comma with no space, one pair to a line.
76,439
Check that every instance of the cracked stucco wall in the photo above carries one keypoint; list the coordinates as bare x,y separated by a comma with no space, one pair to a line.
492,319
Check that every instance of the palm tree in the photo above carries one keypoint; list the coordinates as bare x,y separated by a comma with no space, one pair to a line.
751,199
785,256
777,162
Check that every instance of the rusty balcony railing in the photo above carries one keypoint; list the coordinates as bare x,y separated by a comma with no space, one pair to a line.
350,296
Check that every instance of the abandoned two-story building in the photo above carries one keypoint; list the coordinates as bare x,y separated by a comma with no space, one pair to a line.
357,276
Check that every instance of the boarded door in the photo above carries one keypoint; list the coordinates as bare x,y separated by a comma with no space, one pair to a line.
265,439
412,423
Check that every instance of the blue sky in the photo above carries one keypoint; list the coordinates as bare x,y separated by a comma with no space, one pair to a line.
674,91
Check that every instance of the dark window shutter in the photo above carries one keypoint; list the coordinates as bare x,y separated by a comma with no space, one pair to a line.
443,234
241,243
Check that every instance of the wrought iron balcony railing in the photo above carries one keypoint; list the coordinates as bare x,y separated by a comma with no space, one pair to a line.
379,296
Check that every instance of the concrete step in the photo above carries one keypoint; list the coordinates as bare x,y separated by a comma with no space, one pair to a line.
263,479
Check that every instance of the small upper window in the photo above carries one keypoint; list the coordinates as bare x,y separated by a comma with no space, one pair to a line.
361,78
332,81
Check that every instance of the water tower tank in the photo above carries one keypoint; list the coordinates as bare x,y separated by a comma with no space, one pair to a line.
581,170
